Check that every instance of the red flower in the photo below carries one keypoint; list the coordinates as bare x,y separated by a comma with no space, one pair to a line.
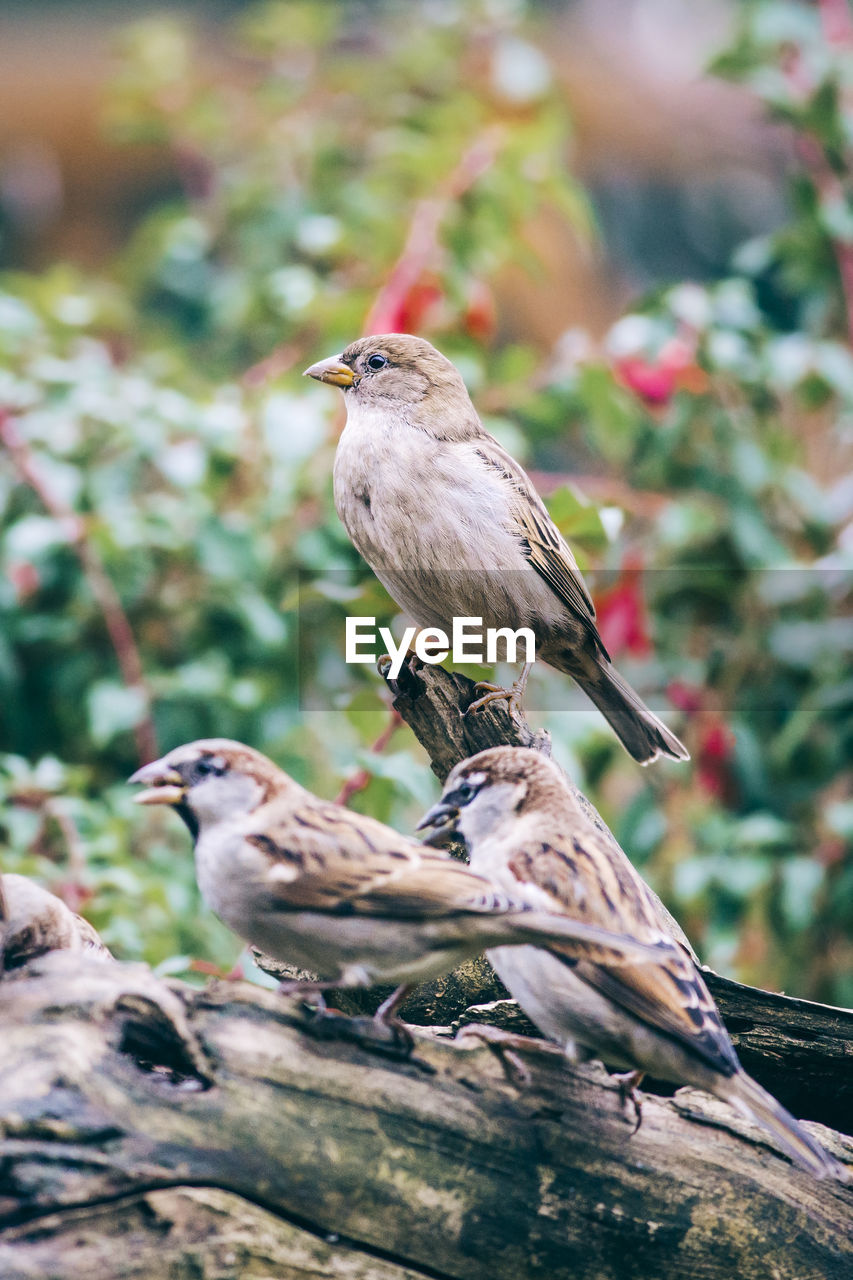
409,312
622,617
687,697
713,760
74,894
713,756
655,381
24,578
479,318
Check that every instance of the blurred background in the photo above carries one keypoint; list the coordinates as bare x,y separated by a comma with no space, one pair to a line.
629,222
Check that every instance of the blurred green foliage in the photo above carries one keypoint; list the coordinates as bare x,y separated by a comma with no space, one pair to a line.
344,164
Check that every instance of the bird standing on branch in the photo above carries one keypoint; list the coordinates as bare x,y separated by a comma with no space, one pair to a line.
453,527
524,830
335,892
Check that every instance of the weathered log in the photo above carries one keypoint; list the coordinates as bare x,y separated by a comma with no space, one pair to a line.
149,1130
800,1050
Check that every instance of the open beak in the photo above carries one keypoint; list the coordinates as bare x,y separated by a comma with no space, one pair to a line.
165,785
442,817
332,370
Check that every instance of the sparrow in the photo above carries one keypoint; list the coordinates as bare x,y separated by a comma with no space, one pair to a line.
34,921
337,893
527,833
453,527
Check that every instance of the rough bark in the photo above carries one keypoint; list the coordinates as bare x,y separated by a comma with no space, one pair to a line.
799,1050
152,1131
148,1130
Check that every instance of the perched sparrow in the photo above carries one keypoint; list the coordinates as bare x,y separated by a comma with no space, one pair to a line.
453,527
335,892
33,922
525,831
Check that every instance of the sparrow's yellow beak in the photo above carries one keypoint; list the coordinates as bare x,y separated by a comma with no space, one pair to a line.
165,785
332,370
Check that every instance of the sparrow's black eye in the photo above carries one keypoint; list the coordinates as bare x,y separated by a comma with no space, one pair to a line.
376,361
464,793
209,766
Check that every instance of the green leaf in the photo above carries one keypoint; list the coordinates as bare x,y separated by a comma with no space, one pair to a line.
112,709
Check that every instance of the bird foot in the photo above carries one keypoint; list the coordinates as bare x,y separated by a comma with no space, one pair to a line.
391,1038
384,1032
496,693
385,662
386,1019
307,989
507,1047
401,1034
628,1083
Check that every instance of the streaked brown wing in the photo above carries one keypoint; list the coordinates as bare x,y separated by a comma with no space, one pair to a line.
544,545
671,998
587,881
325,858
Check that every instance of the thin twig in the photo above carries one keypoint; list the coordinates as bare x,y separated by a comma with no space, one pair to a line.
360,780
100,584
422,245
279,361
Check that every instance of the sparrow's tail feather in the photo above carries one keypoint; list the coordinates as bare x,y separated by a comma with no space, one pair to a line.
641,733
748,1097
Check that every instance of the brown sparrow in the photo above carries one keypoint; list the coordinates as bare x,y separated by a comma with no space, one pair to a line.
526,831
453,527
33,922
334,892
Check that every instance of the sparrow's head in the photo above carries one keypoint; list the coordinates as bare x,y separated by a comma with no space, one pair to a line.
34,921
396,372
211,781
482,794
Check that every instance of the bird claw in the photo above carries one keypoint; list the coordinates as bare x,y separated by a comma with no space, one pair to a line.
506,1045
628,1084
389,1036
306,989
402,1035
385,662
496,693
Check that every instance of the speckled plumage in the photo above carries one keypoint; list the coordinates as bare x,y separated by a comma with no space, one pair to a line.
34,921
452,525
525,830
329,890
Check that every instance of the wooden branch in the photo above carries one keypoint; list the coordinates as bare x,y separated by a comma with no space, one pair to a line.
433,702
148,1130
